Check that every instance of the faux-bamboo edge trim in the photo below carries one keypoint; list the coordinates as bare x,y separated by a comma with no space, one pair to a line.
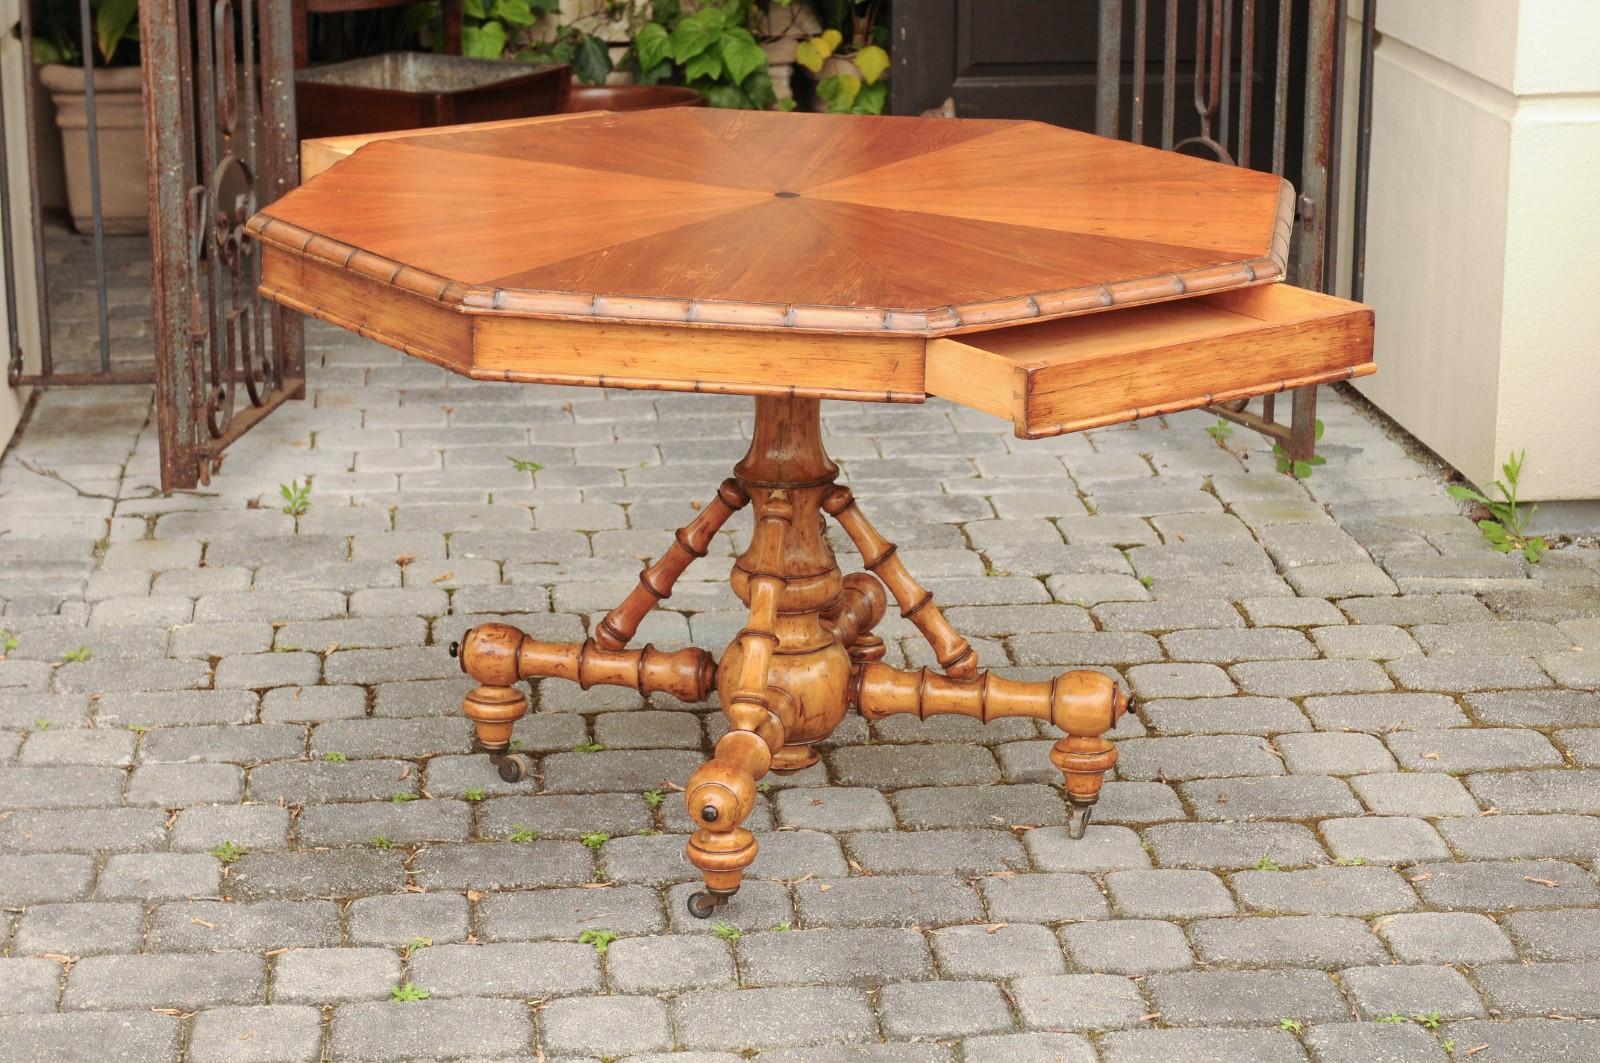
706,387
1123,416
791,317
513,376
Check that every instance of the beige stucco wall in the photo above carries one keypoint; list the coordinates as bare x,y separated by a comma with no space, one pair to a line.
1481,234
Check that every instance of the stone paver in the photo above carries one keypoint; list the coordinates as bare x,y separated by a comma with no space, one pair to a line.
1365,777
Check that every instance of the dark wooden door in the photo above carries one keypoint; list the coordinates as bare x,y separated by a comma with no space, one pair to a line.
996,58
1037,59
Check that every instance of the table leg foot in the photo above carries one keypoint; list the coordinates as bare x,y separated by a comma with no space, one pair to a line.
1084,704
703,904
1078,820
511,766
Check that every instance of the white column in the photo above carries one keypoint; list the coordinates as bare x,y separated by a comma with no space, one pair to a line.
1483,235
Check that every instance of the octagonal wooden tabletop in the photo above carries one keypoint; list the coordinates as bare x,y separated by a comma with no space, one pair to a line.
840,224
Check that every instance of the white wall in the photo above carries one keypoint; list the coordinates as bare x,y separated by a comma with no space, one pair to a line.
1483,233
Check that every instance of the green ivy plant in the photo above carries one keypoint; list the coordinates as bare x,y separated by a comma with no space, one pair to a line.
711,50
516,29
1506,527
1300,470
865,47
57,36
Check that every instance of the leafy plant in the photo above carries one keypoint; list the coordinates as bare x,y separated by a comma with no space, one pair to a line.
381,841
725,931
519,833
1430,1019
523,465
1351,861
600,939
596,839
1300,470
41,724
654,797
782,928
227,852
475,794
588,747
1506,527
1292,1025
1220,431
58,35
710,49
296,497
82,653
334,758
8,641
588,54
409,991
848,93
402,797
1267,863
1394,1018
418,942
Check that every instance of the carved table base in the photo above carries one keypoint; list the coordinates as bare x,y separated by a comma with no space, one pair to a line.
807,654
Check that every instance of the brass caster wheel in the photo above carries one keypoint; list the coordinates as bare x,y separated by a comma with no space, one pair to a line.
511,767
703,903
1078,820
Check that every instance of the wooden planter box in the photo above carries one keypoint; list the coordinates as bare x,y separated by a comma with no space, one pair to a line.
416,90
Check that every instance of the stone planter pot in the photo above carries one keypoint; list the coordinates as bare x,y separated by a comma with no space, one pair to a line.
119,119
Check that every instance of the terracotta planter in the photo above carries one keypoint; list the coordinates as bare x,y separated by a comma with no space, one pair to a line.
415,90
631,97
119,120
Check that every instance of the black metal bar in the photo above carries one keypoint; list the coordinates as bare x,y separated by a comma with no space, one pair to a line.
1169,76
1108,70
168,96
98,224
281,171
1247,79
1302,445
1280,92
1363,161
14,366
1330,229
74,380
1141,13
1224,66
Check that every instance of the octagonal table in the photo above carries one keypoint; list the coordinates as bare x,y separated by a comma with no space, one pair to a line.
1060,280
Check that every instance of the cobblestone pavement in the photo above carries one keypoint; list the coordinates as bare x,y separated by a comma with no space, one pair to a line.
1356,822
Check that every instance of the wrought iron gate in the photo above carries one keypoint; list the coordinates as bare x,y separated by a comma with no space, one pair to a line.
219,138
220,130
1228,86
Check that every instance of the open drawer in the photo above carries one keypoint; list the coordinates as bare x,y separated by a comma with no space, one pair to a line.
1119,365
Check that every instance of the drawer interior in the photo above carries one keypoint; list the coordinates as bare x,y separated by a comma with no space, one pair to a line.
1119,365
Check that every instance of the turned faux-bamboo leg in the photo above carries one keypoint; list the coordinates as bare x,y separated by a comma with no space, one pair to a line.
498,656
655,582
1084,704
722,791
953,652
